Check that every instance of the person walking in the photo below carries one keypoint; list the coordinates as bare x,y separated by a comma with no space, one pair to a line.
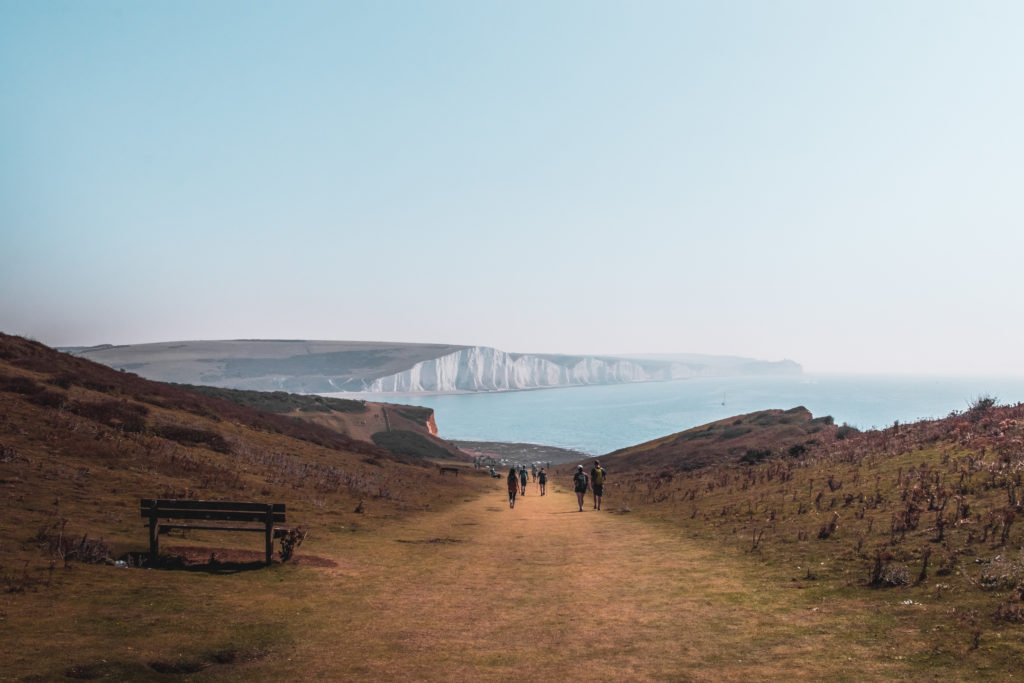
579,485
513,487
597,483
542,479
522,478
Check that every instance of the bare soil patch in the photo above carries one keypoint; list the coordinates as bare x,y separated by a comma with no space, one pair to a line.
197,557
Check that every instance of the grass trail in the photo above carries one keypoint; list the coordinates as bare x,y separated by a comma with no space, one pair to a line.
482,592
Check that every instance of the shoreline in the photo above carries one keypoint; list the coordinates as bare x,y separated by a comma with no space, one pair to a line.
520,452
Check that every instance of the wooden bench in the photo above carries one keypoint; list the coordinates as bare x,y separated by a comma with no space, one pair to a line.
453,470
261,517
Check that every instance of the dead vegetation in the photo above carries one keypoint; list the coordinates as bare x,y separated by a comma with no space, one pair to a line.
927,510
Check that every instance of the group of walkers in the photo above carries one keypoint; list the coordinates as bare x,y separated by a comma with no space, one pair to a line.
517,482
580,483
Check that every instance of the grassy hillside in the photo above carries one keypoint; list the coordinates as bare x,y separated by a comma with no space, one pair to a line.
280,401
401,429
744,438
81,443
913,526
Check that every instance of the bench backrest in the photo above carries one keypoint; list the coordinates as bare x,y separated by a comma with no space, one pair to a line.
206,509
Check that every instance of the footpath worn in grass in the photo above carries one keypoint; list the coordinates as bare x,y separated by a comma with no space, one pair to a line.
543,591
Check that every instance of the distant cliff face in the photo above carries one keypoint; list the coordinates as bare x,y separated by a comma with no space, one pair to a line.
342,366
487,369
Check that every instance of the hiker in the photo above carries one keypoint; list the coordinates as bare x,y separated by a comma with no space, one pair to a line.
522,478
597,483
579,484
533,472
542,477
513,487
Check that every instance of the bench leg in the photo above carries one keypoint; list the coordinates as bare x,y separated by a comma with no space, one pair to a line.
270,534
154,539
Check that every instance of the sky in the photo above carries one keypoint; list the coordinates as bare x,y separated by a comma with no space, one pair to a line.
834,183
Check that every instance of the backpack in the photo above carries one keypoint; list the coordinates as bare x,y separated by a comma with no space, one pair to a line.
598,476
580,481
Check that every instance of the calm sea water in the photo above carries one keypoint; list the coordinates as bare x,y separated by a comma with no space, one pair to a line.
600,419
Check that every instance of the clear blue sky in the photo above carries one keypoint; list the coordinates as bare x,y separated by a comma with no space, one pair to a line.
839,183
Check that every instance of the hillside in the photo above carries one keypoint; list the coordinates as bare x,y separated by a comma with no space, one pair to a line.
382,367
744,438
405,429
78,440
922,516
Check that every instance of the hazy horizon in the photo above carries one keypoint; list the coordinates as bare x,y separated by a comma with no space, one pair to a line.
829,183
683,356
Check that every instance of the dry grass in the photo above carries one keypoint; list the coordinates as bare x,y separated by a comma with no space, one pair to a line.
73,466
909,531
480,592
476,592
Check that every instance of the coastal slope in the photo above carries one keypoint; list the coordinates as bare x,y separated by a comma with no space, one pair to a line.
746,438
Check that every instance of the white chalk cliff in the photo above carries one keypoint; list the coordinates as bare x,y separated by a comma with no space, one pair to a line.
482,368
314,366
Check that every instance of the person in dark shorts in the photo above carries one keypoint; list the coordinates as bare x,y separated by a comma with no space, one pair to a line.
523,479
579,484
513,487
597,483
542,479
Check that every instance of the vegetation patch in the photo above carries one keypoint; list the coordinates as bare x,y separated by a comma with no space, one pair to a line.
53,539
179,666
410,444
124,415
280,401
111,671
19,384
190,436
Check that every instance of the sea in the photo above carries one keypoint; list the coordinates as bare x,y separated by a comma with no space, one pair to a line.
600,419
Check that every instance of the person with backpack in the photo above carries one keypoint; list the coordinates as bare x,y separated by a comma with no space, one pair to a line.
513,487
579,484
597,483
522,478
542,479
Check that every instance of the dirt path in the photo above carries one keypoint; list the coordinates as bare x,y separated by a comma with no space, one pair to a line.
482,592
